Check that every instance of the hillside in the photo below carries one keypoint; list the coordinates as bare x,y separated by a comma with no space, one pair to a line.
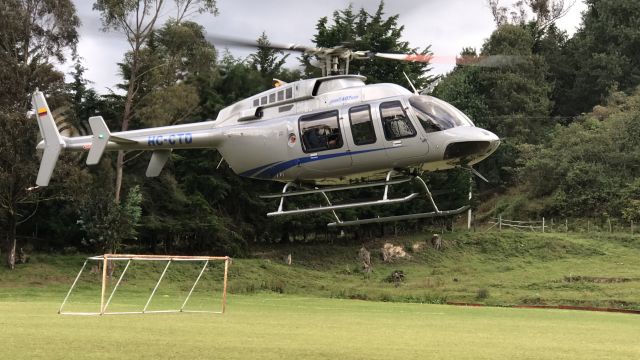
493,268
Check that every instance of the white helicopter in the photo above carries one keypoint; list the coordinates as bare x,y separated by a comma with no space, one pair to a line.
316,136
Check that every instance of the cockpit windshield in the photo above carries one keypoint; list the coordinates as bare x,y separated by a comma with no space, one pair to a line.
437,115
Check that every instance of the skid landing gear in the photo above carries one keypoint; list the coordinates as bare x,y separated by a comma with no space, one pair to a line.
384,201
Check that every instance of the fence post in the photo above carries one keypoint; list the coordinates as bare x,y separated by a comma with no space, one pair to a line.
588,225
631,227
469,214
543,224
566,225
500,222
610,230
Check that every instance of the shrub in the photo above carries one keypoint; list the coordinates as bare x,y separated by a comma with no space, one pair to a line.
482,294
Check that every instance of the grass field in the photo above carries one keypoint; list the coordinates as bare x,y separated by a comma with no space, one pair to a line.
286,326
313,308
493,268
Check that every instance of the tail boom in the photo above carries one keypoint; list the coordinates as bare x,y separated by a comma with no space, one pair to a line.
160,140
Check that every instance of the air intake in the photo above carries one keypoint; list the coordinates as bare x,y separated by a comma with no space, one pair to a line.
466,148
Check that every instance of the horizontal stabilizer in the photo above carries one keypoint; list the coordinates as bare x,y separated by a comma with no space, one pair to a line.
101,135
158,160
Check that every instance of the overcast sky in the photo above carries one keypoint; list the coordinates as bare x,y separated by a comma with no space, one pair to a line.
446,25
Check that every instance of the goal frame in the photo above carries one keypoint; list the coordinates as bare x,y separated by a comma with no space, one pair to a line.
104,301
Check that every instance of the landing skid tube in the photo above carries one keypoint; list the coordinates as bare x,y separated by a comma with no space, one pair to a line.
384,201
399,217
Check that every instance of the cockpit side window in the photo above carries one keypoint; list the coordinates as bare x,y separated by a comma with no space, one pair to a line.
395,122
320,132
428,123
436,115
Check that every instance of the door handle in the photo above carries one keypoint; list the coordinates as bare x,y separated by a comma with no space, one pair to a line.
397,143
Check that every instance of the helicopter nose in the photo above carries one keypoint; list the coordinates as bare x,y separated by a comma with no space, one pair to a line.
472,144
494,140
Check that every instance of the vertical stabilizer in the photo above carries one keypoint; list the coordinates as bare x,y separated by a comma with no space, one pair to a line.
53,141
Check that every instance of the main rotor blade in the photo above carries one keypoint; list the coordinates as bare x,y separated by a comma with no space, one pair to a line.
489,60
346,52
234,41
405,57
466,60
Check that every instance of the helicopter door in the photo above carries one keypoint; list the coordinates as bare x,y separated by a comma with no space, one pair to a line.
323,143
402,142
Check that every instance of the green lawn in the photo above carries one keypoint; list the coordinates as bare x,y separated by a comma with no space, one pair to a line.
314,308
268,326
503,269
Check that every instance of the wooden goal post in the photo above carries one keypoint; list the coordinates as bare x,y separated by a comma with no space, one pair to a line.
104,301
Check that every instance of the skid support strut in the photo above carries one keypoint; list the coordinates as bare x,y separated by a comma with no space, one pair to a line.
384,201
437,212
330,207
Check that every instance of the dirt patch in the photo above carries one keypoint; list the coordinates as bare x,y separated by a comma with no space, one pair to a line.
599,280
391,253
561,307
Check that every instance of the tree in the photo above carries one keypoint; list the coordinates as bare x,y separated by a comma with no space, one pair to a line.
137,20
376,33
516,93
602,57
178,61
512,101
266,59
545,12
107,224
32,34
587,169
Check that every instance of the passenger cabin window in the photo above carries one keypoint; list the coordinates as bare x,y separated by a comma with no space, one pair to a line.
320,132
361,125
395,122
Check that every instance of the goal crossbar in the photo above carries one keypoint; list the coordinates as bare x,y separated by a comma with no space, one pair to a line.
129,257
156,257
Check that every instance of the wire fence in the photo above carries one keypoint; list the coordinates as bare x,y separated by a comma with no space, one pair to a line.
608,225
529,225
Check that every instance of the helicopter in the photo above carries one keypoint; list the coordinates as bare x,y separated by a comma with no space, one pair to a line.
316,136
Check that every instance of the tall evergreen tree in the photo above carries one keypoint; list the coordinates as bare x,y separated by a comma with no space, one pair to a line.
267,61
377,33
26,65
602,56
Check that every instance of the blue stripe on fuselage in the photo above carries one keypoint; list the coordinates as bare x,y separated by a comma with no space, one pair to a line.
252,172
271,170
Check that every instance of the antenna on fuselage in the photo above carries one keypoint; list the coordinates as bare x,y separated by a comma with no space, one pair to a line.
410,83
